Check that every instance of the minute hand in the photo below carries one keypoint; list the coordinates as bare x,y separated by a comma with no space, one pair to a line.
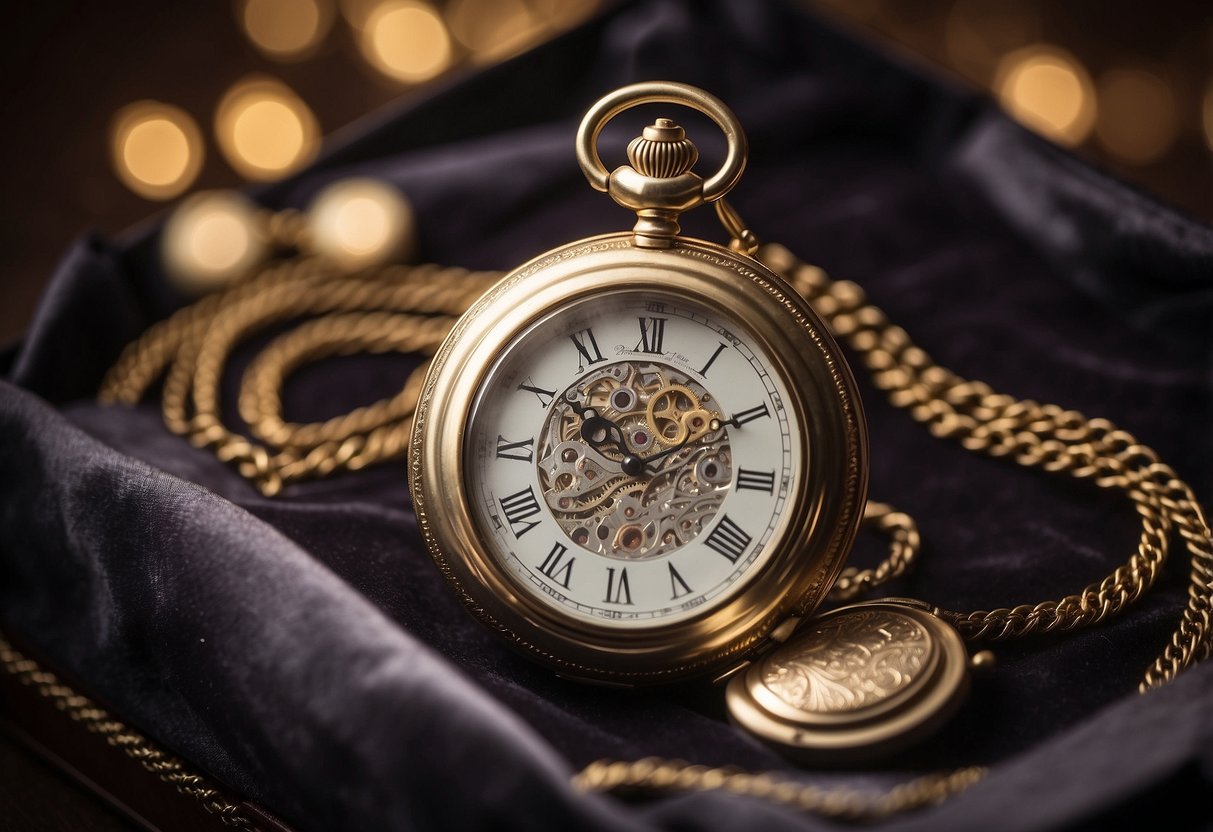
713,425
646,461
739,419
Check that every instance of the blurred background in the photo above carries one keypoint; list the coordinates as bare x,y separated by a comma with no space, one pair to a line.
111,111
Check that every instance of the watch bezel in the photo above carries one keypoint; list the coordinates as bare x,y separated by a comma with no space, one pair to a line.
805,562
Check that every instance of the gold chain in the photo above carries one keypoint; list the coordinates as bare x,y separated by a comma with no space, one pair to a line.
655,774
1034,436
410,309
395,309
96,720
904,544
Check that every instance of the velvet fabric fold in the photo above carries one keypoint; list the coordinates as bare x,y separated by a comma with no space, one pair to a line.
305,651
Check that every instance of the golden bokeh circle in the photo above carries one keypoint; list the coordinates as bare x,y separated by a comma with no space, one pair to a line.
1207,116
286,29
565,13
264,129
407,40
156,149
357,12
1047,89
1138,116
492,29
978,33
211,239
361,222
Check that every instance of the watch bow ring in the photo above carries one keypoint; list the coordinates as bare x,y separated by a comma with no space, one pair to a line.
659,184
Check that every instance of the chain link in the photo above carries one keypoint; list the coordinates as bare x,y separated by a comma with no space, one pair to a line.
82,710
904,544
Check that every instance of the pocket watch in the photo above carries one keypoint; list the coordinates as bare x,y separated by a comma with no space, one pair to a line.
639,456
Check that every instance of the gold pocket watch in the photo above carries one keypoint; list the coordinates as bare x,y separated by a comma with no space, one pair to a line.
641,457
639,454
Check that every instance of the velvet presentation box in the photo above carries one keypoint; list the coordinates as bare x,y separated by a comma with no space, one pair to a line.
304,651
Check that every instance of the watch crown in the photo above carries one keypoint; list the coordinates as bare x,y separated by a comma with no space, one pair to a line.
662,151
659,184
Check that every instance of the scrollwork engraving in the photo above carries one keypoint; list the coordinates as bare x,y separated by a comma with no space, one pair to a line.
850,662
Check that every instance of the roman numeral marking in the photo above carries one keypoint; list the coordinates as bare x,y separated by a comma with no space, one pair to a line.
654,306
522,451
584,342
756,480
728,539
704,370
518,508
750,415
652,335
545,396
617,593
678,587
556,567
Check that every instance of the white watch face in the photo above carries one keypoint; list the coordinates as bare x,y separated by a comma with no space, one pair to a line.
629,458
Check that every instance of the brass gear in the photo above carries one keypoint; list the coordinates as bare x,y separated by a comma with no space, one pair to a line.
665,412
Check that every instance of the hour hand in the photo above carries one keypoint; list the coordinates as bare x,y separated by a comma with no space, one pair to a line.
597,431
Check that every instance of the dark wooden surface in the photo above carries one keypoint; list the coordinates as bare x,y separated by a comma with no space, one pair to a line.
34,797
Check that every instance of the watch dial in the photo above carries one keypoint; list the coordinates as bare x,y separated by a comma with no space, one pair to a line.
629,458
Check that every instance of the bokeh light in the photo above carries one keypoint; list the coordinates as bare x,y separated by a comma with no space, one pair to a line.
491,29
1047,89
361,222
562,13
264,129
1207,116
211,239
407,41
286,29
156,149
357,12
977,34
1138,116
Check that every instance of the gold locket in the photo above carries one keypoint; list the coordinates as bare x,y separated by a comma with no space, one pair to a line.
642,458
